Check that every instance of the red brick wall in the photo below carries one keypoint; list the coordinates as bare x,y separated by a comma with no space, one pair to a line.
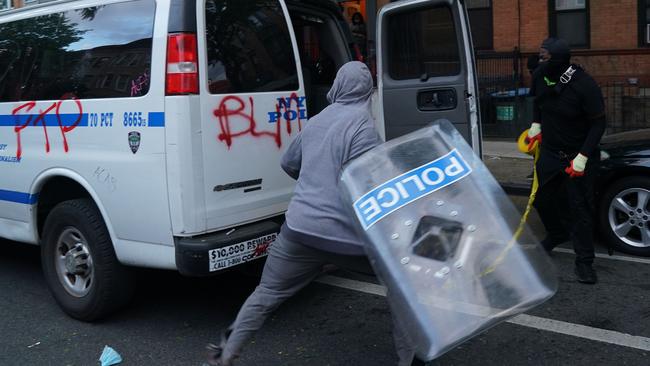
504,23
613,27
614,24
614,68
534,24
508,30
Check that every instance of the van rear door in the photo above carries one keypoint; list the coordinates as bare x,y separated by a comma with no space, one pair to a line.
252,106
425,68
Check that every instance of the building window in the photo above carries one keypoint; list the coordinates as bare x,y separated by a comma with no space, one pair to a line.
480,20
569,20
644,23
5,4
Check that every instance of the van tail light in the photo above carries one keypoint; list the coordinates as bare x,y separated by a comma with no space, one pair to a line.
182,75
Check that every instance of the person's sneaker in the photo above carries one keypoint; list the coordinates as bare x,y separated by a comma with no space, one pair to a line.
215,352
585,273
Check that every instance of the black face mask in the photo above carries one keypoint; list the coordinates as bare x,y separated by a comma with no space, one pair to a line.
555,67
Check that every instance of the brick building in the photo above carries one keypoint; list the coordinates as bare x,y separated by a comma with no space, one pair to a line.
610,38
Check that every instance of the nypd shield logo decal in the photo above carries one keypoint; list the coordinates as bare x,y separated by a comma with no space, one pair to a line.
134,141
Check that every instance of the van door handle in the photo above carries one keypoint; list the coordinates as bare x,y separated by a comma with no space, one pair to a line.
437,99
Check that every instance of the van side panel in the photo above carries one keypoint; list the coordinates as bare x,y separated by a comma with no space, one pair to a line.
115,142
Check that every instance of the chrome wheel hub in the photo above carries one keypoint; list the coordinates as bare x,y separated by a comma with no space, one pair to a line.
629,217
74,264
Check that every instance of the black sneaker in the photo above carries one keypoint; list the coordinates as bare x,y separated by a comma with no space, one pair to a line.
215,352
214,355
585,273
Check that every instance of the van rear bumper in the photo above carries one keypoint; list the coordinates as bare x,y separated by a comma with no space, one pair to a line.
196,256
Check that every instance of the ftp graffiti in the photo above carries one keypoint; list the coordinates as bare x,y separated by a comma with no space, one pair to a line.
23,118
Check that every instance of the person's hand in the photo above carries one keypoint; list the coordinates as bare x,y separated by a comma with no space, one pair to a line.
534,134
577,167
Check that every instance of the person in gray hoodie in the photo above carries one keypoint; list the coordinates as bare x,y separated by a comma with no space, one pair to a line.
319,229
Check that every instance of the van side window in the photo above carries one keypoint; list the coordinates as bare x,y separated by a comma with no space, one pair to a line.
422,42
98,52
249,47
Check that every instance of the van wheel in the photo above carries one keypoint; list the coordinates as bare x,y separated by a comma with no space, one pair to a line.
79,262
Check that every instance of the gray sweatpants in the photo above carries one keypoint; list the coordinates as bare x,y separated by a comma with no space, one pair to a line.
289,267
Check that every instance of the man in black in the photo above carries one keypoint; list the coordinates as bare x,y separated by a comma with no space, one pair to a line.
569,114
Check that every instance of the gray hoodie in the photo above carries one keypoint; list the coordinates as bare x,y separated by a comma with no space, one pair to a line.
344,130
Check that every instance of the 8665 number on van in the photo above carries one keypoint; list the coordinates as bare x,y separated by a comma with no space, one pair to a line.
134,119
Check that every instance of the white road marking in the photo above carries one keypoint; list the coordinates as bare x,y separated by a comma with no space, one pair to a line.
582,331
606,256
549,325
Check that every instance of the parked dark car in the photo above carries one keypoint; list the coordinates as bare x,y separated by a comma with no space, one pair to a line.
623,192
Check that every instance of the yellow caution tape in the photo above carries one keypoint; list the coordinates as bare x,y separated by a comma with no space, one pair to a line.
534,151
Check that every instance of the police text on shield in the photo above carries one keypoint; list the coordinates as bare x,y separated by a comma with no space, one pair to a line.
410,186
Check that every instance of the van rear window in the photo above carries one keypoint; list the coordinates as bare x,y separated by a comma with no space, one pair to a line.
249,47
422,42
97,52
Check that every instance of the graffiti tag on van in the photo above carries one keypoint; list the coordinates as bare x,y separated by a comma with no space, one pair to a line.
66,122
409,187
140,84
237,119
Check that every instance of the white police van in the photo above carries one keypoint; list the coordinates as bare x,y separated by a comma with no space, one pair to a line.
149,132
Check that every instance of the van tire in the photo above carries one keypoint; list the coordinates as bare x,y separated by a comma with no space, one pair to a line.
100,285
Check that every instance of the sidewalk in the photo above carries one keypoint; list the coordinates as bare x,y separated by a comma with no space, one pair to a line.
503,149
507,164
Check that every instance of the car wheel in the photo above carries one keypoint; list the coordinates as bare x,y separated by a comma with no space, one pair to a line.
79,262
625,215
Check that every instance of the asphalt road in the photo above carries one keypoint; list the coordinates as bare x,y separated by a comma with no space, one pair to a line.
172,318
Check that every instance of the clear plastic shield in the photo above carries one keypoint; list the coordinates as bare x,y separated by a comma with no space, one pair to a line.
443,237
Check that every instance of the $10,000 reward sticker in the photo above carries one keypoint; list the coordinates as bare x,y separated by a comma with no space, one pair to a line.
246,251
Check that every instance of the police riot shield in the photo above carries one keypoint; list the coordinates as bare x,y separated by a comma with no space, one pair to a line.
444,238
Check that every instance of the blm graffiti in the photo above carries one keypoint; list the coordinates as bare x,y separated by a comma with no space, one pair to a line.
237,119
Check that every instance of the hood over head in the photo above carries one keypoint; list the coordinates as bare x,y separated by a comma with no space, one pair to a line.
560,56
353,84
547,42
558,48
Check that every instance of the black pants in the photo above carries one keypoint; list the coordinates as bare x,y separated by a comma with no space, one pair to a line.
565,206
